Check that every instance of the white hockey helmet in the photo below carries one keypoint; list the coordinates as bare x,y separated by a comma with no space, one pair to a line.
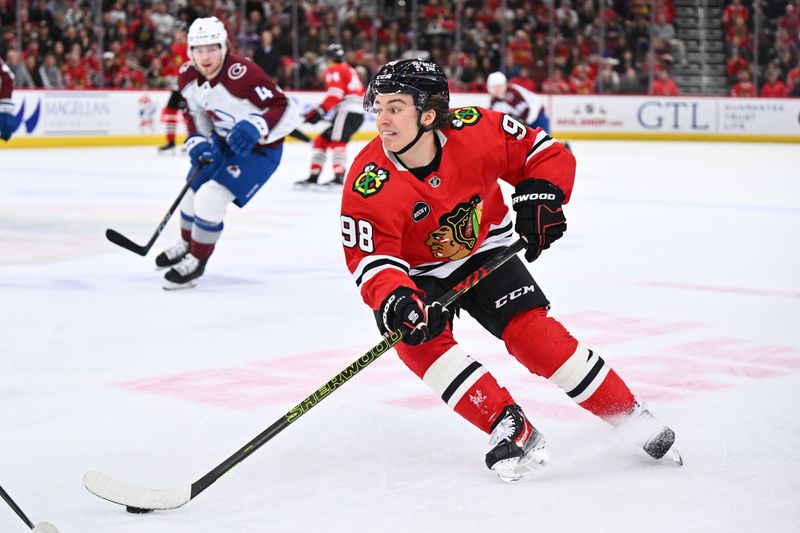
209,30
496,79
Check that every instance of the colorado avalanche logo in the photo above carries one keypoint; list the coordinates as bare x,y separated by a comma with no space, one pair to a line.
234,171
465,116
371,180
236,71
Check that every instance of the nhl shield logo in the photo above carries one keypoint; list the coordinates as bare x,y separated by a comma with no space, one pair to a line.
435,181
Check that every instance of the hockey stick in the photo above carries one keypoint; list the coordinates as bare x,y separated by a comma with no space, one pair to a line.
142,500
41,527
121,240
297,134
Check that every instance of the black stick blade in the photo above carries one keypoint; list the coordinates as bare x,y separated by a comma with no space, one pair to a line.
121,240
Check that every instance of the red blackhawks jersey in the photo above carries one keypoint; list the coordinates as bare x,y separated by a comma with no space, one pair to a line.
395,225
344,90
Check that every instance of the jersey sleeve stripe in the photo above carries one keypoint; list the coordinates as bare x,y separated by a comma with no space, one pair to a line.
371,265
336,91
543,140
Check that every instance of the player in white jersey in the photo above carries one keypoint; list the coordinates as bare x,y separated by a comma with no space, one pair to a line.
7,119
238,118
517,101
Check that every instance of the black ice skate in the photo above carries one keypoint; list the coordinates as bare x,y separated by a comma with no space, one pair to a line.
184,274
168,147
518,446
654,437
335,184
309,183
172,255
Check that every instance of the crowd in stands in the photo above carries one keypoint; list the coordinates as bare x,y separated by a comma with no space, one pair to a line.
597,46
776,67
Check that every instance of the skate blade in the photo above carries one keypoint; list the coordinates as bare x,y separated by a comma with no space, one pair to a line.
513,470
306,187
674,456
170,286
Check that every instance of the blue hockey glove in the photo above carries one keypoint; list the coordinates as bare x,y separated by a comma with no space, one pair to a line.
7,125
200,146
244,136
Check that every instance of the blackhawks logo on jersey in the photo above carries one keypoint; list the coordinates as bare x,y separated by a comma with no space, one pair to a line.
457,235
371,180
465,116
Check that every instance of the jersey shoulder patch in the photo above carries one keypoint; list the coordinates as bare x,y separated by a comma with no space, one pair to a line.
465,116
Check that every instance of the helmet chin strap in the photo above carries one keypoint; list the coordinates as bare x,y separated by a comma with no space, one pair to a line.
421,129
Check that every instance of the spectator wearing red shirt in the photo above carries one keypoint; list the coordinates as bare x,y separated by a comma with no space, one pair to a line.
663,85
580,82
793,76
773,88
733,11
734,64
744,88
556,84
74,73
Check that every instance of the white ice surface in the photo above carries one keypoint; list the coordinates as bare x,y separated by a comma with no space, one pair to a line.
680,266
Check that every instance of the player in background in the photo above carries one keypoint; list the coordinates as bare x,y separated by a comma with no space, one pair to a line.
422,208
237,117
343,100
518,102
176,104
7,119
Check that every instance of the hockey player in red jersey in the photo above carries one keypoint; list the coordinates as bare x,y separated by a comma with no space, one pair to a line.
7,118
176,104
344,93
237,118
422,208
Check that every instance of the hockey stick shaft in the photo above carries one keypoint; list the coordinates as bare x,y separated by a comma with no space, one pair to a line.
299,135
121,240
15,507
345,375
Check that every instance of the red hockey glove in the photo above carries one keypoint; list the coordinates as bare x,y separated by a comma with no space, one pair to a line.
404,308
540,220
315,115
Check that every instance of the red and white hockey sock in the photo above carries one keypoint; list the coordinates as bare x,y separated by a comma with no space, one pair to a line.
466,386
170,118
339,157
546,348
318,156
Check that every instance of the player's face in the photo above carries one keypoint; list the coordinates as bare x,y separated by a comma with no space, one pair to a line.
396,119
208,58
498,91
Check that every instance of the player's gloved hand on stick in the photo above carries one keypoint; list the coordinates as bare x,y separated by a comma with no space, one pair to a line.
314,115
405,307
540,219
201,148
7,121
245,134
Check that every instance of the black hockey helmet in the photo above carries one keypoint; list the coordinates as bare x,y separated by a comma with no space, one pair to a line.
420,78
335,52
